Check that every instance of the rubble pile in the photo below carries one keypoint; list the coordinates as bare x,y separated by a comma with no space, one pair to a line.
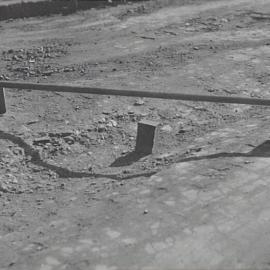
207,24
18,173
36,61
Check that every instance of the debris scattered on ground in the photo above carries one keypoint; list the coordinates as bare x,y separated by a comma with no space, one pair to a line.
67,161
36,61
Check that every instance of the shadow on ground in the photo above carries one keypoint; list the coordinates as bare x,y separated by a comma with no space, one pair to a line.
62,172
128,159
263,150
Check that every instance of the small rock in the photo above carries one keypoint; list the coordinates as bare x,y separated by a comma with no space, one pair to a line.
102,120
69,140
223,20
68,69
48,72
143,114
4,77
15,57
42,140
11,178
101,128
32,122
139,102
181,131
131,112
167,128
113,122
145,211
248,162
4,188
106,112
62,185
184,129
66,134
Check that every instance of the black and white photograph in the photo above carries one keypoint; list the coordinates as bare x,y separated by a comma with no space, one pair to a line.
134,134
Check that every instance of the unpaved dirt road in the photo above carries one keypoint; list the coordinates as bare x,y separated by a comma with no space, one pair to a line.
74,195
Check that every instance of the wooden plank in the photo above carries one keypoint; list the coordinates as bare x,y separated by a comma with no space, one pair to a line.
145,137
134,93
2,101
